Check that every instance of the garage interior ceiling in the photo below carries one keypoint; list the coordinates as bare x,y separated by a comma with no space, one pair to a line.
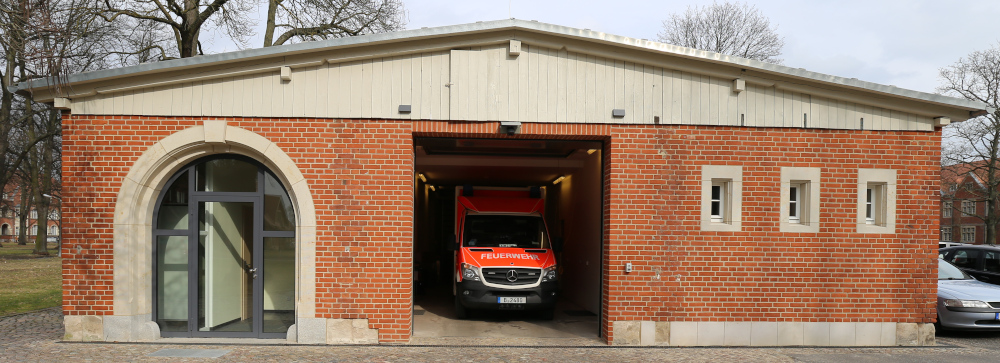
498,162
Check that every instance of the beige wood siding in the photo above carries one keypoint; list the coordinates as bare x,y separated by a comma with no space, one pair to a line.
487,84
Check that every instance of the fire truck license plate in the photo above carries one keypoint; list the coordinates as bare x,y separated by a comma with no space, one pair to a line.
512,300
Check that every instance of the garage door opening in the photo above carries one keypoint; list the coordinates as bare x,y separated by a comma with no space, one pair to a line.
567,174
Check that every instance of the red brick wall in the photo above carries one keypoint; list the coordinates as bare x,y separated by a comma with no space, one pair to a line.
360,176
96,154
760,274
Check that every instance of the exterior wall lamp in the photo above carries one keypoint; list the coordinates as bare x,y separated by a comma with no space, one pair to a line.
510,127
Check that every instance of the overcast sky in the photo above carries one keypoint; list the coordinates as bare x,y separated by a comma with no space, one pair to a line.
893,42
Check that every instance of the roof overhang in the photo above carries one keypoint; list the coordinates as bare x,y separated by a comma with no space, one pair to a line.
494,32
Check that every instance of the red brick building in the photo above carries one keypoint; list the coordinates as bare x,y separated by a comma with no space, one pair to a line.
10,222
963,203
742,193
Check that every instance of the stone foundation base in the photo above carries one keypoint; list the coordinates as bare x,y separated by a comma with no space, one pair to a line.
335,331
110,328
113,328
761,333
84,328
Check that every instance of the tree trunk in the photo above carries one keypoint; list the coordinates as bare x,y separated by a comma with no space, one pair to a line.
43,183
272,11
22,216
41,237
992,183
15,50
188,46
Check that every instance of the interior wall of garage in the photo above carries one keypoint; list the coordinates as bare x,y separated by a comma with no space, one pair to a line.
580,201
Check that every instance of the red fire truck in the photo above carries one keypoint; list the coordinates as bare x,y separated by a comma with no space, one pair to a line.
504,257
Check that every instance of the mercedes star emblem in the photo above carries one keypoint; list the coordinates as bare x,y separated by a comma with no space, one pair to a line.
511,275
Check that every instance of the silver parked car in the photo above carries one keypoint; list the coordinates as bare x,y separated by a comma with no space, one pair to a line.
964,303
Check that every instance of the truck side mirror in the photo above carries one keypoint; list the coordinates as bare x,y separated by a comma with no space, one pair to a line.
453,243
557,244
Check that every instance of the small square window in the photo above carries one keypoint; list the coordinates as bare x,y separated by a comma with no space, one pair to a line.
800,188
795,203
721,208
719,201
946,234
876,201
875,204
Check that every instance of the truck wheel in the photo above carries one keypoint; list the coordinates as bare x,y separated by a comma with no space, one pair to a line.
548,314
460,311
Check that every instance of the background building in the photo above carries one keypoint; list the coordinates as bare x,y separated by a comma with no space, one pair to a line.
963,203
10,223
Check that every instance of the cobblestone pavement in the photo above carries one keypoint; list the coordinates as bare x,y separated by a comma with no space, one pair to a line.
35,337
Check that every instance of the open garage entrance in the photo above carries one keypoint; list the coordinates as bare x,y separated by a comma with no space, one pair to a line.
569,174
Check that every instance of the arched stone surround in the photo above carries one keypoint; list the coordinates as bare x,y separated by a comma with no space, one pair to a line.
133,295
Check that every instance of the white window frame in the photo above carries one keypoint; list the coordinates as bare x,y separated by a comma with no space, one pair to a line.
946,234
875,204
807,181
795,202
882,183
730,178
969,207
969,232
720,201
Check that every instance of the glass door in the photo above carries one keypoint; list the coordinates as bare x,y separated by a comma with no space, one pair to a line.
226,267
224,252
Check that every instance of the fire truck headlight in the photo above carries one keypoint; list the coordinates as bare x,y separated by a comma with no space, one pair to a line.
470,272
549,274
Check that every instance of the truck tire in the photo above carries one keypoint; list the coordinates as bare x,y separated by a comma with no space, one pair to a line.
460,311
548,314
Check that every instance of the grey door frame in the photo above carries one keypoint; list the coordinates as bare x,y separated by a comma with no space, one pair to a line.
194,199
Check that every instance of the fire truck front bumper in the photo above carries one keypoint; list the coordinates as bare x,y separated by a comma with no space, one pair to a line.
476,295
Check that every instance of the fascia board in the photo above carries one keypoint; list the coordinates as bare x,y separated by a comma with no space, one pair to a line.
973,108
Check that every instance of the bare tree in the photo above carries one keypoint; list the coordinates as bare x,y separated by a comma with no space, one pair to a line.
137,41
185,19
975,143
306,20
728,28
41,39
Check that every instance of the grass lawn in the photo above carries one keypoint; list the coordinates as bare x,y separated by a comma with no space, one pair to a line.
29,282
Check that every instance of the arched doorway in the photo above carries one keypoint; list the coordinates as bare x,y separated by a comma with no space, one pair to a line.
224,252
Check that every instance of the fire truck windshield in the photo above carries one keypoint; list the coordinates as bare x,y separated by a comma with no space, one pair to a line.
504,231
